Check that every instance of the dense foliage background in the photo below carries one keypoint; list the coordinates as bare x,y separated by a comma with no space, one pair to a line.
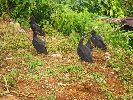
47,10
69,16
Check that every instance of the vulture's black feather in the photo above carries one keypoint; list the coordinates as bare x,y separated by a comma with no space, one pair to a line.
84,52
35,27
97,40
38,44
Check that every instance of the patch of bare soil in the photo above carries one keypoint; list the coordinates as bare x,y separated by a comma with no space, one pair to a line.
81,91
29,89
9,97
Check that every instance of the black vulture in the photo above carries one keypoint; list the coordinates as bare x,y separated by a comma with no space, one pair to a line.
84,52
38,44
97,40
35,27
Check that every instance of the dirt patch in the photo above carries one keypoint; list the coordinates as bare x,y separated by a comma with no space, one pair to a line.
9,97
29,89
114,84
81,91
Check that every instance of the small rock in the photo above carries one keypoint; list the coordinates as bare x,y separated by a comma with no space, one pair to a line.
1,76
112,72
70,89
107,55
9,58
9,97
56,55
21,30
52,89
91,84
16,25
61,84
43,86
116,69
53,38
11,23
25,68
8,70
46,81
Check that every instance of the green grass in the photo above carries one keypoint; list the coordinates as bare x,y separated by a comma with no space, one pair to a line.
52,97
98,77
71,69
14,41
33,63
51,72
110,96
66,73
9,78
40,98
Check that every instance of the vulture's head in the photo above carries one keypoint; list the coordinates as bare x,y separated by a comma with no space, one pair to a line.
93,32
32,18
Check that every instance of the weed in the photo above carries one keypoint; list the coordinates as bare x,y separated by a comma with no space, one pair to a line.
52,97
98,77
28,56
10,77
110,96
33,63
62,44
13,41
41,98
70,72
125,98
122,64
51,72
66,73
36,77
70,21
71,69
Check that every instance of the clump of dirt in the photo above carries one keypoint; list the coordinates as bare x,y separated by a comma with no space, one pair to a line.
9,97
81,91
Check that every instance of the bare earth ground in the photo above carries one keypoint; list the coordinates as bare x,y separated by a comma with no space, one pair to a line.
96,81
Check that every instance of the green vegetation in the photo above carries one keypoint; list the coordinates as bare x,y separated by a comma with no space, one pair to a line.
8,42
65,72
65,21
33,63
11,77
72,14
97,77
